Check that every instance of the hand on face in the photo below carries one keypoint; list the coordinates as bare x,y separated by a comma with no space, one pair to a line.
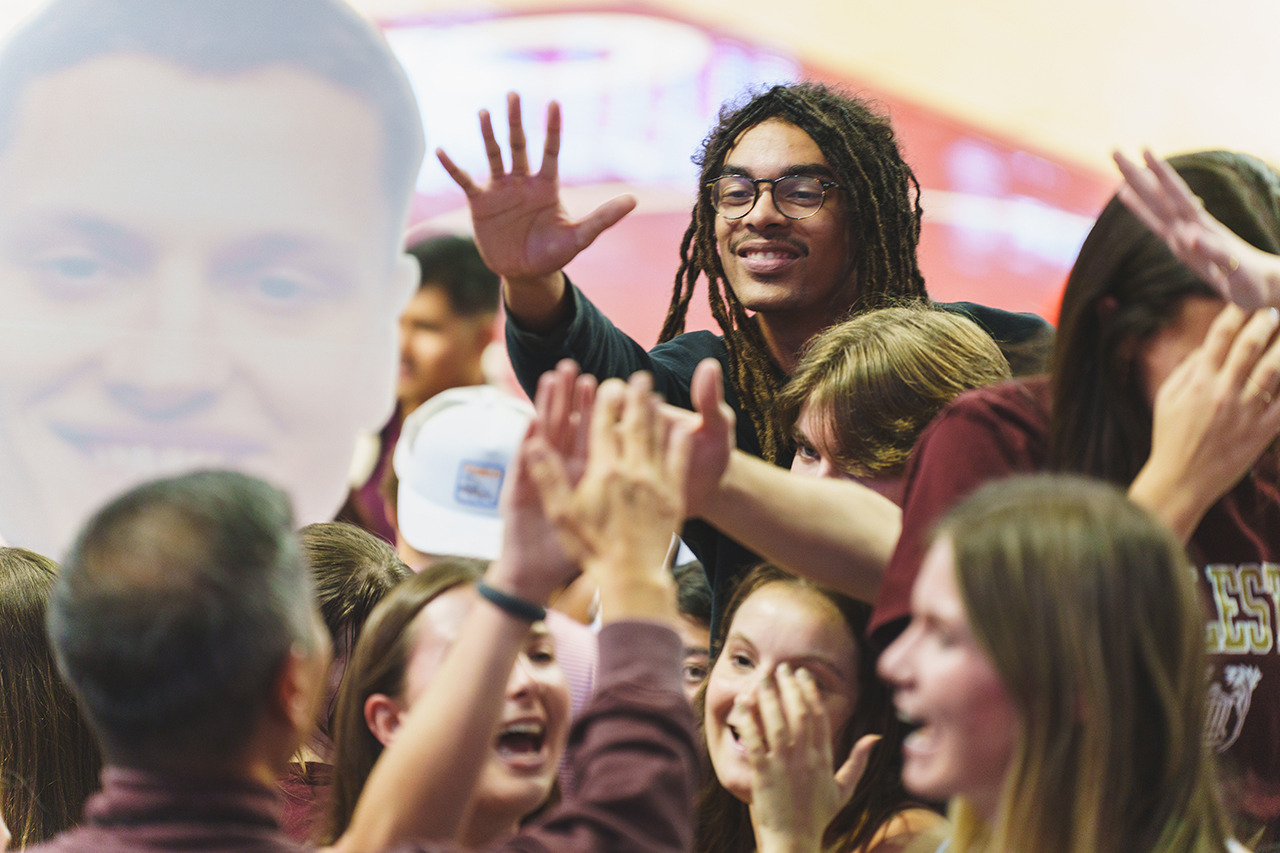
1162,200
787,736
1215,414
521,228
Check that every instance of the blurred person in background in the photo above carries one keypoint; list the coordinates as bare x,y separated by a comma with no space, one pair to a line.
444,331
693,596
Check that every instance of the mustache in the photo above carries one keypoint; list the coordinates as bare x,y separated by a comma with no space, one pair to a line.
789,241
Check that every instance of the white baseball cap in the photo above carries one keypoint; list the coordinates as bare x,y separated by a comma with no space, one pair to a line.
451,461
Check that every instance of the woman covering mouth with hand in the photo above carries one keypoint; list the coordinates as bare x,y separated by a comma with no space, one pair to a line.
791,692
402,645
1054,669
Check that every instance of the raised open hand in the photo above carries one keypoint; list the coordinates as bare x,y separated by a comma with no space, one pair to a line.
521,228
787,736
1162,200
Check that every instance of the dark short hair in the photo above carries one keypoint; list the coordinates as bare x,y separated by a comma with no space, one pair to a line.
693,593
49,759
177,605
323,38
454,265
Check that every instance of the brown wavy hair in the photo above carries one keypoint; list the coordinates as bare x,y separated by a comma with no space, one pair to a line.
1101,424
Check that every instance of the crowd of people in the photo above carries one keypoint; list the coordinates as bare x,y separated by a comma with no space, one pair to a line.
963,582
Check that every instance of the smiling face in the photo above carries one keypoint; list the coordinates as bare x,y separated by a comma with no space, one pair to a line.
944,682
778,623
535,718
195,272
797,270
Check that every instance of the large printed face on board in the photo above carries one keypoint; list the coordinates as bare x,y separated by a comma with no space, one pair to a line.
199,268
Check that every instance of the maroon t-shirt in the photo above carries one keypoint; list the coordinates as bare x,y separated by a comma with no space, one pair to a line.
1003,430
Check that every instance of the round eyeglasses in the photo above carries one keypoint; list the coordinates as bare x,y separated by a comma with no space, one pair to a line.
795,196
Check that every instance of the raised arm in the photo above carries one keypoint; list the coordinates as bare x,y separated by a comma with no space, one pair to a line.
421,785
1162,200
838,533
1214,416
522,230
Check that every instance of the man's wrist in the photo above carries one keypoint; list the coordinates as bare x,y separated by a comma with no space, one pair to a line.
536,304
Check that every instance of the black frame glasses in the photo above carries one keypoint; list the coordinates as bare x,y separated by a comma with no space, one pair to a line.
795,201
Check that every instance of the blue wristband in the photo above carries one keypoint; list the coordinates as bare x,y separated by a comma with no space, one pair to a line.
517,607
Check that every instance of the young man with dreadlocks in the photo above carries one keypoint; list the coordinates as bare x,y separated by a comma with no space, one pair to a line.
807,214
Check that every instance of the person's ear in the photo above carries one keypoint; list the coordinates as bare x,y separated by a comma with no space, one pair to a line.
299,686
382,716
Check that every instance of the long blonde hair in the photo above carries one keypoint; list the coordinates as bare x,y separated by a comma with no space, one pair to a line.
1088,609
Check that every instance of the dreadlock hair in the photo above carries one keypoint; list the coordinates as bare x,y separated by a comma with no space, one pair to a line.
883,204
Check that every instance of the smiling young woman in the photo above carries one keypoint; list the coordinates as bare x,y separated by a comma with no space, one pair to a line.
1054,671
401,648
791,692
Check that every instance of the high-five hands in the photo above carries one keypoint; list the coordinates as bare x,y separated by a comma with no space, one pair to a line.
617,520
